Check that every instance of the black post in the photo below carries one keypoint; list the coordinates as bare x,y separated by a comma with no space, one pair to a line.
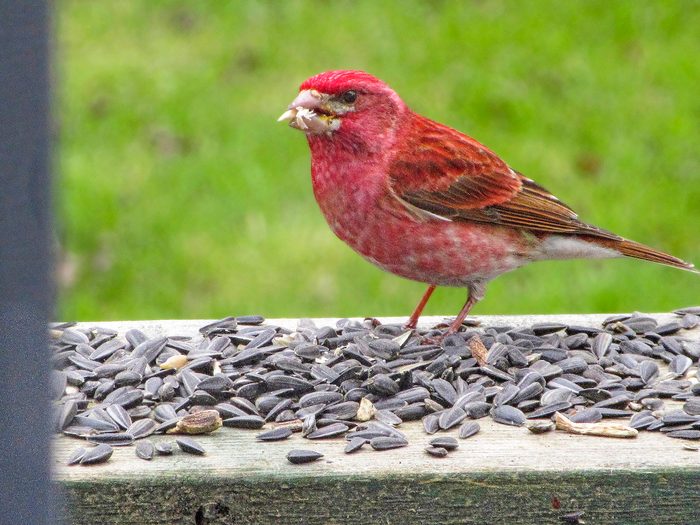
25,285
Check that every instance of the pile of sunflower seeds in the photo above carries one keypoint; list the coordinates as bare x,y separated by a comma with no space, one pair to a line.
362,380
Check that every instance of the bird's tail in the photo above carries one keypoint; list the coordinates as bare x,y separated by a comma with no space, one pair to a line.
640,251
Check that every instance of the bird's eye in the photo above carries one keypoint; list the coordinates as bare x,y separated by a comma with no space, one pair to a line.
349,96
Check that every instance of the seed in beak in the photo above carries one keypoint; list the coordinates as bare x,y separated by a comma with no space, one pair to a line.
302,114
299,117
288,115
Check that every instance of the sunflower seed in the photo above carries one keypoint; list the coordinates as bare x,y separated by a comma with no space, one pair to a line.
98,454
477,409
279,408
430,423
129,399
385,416
215,384
539,427
506,395
120,439
692,406
190,446
601,344
314,398
119,415
329,431
590,415
297,457
67,414
355,444
695,310
451,417
164,448
680,364
438,452
678,417
508,415
276,434
142,428
145,450
76,456
387,442
262,339
382,385
684,434
528,392
344,410
411,412
445,391
296,384
448,443
468,429
548,328
95,424
642,421
164,412
690,321
167,425
71,336
249,422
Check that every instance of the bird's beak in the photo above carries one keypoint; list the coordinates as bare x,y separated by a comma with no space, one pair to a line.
309,113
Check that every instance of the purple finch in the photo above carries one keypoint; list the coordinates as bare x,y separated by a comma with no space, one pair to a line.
426,202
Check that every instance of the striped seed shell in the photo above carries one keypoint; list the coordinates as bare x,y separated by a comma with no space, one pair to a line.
445,442
298,457
387,442
508,415
76,456
451,417
438,452
247,421
142,428
190,446
329,431
164,448
145,450
276,434
539,427
468,429
98,454
119,439
355,444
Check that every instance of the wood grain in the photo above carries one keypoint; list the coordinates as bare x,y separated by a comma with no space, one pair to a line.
503,475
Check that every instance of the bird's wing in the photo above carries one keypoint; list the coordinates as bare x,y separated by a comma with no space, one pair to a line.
447,174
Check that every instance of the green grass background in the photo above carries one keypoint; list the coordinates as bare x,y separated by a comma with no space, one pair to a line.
179,196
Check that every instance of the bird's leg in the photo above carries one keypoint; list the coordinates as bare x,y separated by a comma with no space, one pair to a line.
413,320
477,290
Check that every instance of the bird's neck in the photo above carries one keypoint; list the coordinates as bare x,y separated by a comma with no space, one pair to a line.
358,152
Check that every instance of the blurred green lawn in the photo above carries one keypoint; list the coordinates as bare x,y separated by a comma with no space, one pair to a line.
180,196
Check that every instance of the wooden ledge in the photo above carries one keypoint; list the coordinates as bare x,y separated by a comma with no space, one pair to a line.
503,475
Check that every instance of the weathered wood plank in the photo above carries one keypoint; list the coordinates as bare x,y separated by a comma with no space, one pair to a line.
501,475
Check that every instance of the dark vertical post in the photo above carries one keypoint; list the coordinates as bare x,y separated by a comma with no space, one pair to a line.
25,286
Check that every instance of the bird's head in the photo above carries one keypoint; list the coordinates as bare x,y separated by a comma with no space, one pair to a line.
349,104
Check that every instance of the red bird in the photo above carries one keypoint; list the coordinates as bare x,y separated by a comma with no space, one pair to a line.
426,202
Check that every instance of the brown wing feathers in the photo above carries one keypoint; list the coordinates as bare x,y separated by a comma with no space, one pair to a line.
452,175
